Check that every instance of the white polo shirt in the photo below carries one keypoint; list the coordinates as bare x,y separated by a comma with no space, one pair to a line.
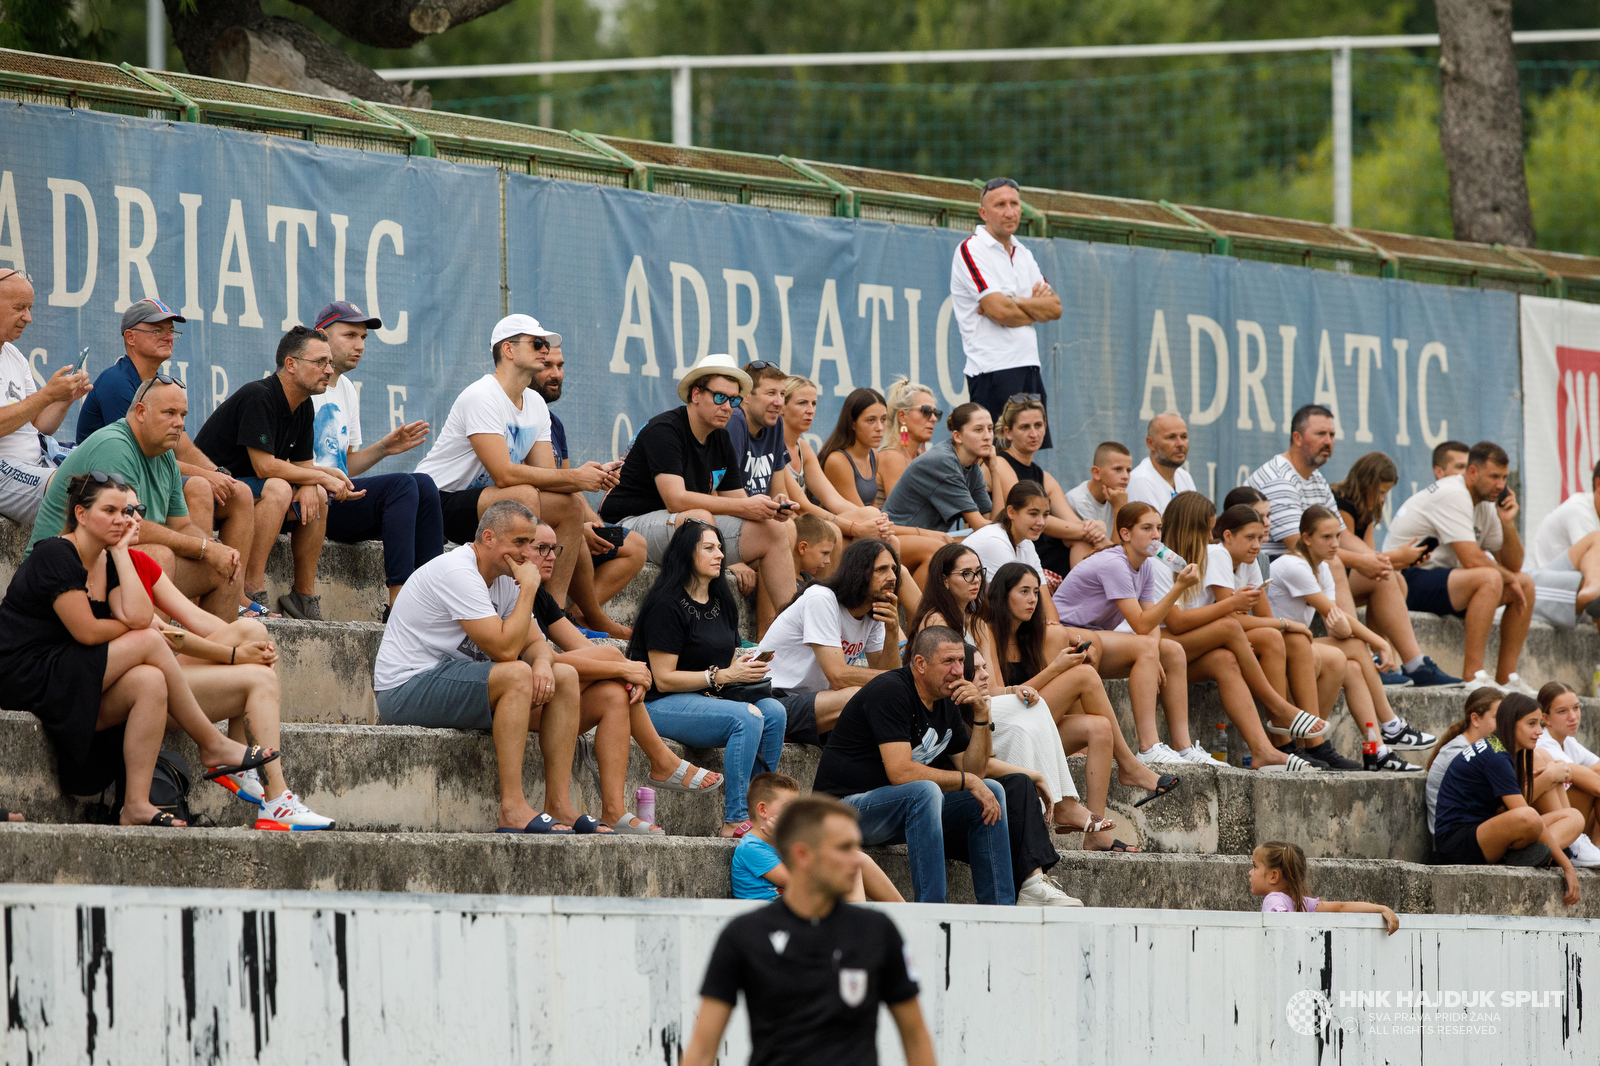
982,265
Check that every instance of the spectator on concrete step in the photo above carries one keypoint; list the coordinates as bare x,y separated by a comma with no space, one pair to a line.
838,635
758,870
1101,496
139,449
265,433
1450,459
1161,475
812,968
104,687
217,500
402,510
229,668
1494,773
1048,703
1576,767
816,542
951,481
703,691
614,556
1476,567
1563,558
496,445
1359,500
999,296
1014,536
611,702
1477,722
1022,427
1302,589
27,413
461,651
913,421
1278,875
682,465
1218,647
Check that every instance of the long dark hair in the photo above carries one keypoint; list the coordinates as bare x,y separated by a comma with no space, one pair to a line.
844,430
938,599
677,573
1363,483
1028,635
1513,709
1017,499
83,490
1477,703
851,580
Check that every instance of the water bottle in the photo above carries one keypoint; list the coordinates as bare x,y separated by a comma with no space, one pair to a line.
1369,748
1169,558
1596,689
1219,743
645,799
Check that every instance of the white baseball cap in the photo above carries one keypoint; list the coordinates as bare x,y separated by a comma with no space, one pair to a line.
516,325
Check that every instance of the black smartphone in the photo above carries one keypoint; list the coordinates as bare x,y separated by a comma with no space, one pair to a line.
1082,646
1427,544
1505,494
786,506
615,534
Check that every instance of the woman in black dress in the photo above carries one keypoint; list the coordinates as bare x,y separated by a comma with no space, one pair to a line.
102,688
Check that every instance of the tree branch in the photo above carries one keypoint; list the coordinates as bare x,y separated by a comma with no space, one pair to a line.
397,23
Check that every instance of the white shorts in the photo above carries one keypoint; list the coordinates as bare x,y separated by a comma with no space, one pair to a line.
22,490
1555,591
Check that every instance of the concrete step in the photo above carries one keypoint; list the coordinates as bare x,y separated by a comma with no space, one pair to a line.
699,868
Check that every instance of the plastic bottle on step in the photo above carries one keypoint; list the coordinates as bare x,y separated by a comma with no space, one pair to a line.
1219,743
646,800
1369,748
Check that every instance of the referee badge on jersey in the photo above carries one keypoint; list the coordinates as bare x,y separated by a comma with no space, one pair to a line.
852,987
780,940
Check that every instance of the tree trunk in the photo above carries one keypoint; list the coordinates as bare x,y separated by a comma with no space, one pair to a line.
397,23
1480,123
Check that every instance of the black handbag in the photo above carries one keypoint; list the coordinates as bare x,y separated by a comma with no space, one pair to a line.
745,691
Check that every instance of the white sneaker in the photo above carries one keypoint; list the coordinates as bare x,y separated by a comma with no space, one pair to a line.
245,785
1481,679
1160,753
1042,891
1514,683
1584,852
1196,754
287,812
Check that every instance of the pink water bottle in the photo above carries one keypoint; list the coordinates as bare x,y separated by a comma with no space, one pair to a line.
646,801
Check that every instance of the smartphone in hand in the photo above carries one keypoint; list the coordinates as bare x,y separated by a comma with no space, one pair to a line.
83,357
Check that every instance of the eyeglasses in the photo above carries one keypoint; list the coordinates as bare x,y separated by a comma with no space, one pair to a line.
320,364
549,551
1024,397
157,332
135,509
8,275
972,575
720,398
928,411
159,379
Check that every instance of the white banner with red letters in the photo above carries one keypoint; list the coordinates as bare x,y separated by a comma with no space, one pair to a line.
1560,402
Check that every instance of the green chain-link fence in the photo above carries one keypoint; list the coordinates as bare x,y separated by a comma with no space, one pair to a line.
1251,136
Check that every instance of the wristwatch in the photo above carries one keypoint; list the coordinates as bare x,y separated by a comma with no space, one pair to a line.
987,722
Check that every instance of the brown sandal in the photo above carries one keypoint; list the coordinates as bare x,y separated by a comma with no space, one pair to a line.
1095,825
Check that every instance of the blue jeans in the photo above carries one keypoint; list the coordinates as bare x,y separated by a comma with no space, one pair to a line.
921,815
706,722
400,509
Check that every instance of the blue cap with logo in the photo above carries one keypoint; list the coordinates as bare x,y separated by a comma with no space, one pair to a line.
345,311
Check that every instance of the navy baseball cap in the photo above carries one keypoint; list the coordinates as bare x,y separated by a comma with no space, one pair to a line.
345,311
149,310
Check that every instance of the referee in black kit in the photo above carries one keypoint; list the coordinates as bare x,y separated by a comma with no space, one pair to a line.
813,969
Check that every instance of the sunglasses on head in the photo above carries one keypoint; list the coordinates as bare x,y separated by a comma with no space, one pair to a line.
999,183
9,274
1024,397
159,379
80,484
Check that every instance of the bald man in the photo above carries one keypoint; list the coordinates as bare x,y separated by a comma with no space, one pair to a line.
1161,477
27,411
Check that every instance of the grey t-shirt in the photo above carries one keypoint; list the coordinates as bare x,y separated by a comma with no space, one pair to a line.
936,489
1089,509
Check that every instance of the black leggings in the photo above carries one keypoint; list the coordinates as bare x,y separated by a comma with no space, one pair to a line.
1031,846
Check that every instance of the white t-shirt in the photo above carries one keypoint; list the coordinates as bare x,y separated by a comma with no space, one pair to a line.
980,266
1560,530
1441,763
425,625
1568,750
992,545
1445,510
1221,572
1148,485
338,424
16,384
483,407
816,618
1199,596
1089,509
1292,582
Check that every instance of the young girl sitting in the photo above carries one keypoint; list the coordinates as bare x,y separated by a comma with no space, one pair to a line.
1302,588
1580,767
1278,875
758,872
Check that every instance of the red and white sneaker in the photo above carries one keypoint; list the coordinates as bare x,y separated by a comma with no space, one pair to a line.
288,813
246,785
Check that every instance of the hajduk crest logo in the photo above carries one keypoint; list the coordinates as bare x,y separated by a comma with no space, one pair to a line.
852,987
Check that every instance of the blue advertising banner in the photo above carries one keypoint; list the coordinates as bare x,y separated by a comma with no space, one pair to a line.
247,234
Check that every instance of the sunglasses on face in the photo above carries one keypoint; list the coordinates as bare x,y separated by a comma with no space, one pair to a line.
928,411
539,343
136,509
720,398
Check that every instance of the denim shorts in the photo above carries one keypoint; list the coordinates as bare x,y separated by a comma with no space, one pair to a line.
454,694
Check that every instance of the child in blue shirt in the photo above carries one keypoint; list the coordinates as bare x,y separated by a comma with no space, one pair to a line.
758,871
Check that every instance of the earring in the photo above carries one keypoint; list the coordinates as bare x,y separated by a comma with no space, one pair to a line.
905,435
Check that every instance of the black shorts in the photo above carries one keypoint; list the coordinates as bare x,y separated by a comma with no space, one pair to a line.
1429,590
802,711
460,515
996,387
1459,847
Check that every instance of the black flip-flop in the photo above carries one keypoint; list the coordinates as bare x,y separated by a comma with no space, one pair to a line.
1126,849
255,757
1536,854
165,820
540,825
589,825
1164,784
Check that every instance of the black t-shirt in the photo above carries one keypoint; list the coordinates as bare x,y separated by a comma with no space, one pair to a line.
666,445
701,634
28,613
546,611
1054,554
887,710
811,988
257,416
1344,503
